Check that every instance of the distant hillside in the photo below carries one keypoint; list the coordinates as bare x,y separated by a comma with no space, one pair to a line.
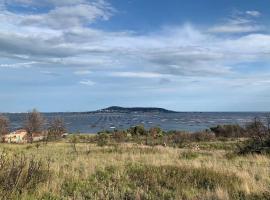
134,109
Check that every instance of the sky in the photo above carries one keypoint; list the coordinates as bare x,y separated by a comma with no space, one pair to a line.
184,55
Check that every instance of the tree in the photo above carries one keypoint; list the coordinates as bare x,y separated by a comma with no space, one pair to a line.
138,131
4,126
56,128
257,130
34,123
155,132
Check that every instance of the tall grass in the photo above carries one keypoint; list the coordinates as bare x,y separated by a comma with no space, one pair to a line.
133,171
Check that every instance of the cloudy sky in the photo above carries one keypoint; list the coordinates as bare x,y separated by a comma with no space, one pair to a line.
185,55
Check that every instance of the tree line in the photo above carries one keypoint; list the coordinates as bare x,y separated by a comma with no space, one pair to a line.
35,124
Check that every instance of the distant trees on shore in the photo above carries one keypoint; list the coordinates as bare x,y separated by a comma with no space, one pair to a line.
35,124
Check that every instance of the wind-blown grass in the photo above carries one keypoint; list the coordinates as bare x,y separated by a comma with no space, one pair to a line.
133,171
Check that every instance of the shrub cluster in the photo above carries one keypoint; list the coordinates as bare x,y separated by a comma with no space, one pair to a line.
152,182
19,175
259,142
230,131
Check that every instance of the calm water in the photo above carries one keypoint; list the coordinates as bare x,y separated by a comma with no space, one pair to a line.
94,122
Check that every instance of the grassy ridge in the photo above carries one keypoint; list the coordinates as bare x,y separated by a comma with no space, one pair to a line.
134,171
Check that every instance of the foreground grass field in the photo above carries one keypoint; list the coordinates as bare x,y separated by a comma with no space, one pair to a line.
132,171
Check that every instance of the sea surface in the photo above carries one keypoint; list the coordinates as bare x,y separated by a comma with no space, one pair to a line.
188,121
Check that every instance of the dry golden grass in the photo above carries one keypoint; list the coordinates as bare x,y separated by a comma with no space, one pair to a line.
252,170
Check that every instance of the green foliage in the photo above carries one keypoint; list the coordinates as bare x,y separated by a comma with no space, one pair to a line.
232,131
73,141
188,155
150,182
259,142
138,130
19,175
252,146
102,139
119,136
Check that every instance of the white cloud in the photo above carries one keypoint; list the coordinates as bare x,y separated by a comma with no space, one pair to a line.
87,82
83,72
231,28
136,74
239,22
62,15
60,38
253,13
67,17
18,65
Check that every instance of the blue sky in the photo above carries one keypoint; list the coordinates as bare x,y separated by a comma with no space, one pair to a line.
185,55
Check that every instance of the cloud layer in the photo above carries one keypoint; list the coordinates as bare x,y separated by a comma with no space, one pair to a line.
62,36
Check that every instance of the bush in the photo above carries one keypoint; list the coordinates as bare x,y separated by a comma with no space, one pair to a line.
202,136
102,139
155,132
260,138
188,155
254,146
119,136
137,131
19,175
150,182
232,131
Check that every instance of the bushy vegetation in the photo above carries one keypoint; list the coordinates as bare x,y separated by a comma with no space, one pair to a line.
151,182
19,175
130,171
140,163
259,141
152,137
230,131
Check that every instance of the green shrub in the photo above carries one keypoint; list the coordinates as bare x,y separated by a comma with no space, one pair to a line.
150,182
188,155
102,139
231,130
19,174
137,131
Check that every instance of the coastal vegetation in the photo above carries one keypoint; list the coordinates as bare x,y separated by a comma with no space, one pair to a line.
132,171
224,162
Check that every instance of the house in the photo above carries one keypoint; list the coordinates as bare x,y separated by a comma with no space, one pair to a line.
20,137
38,137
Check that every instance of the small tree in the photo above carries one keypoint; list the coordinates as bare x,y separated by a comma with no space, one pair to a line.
138,131
260,137
73,141
155,132
257,130
56,128
4,126
34,123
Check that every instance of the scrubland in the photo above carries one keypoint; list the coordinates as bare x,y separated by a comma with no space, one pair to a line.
74,169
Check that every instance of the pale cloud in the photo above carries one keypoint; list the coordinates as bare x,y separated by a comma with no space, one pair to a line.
49,73
68,17
62,14
83,72
235,28
253,13
136,75
87,82
239,22
60,38
18,65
